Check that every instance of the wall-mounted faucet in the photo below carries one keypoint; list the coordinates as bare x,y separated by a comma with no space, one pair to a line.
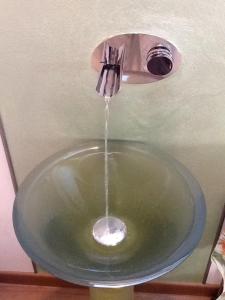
112,70
133,58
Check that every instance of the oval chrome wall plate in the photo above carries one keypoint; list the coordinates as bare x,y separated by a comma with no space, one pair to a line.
148,58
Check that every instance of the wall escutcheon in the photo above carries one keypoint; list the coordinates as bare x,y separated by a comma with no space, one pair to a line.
148,58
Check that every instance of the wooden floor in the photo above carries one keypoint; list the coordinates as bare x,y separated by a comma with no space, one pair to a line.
29,292
30,286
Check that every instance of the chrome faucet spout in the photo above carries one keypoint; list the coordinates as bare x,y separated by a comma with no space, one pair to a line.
111,73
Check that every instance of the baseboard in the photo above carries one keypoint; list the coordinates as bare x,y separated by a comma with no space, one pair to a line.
166,288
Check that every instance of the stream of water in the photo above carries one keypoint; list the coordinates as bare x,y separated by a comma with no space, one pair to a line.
108,230
106,166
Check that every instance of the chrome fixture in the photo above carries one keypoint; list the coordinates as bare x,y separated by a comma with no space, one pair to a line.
159,60
111,73
133,58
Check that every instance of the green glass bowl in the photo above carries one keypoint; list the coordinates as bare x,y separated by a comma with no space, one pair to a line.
160,202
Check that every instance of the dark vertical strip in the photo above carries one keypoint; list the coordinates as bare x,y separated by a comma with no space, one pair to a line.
220,225
8,157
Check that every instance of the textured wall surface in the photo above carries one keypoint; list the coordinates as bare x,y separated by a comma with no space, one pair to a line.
48,99
12,256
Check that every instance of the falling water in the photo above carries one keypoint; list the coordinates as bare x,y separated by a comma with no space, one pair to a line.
106,166
108,230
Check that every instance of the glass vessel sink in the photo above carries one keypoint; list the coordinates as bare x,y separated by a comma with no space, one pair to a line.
156,197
